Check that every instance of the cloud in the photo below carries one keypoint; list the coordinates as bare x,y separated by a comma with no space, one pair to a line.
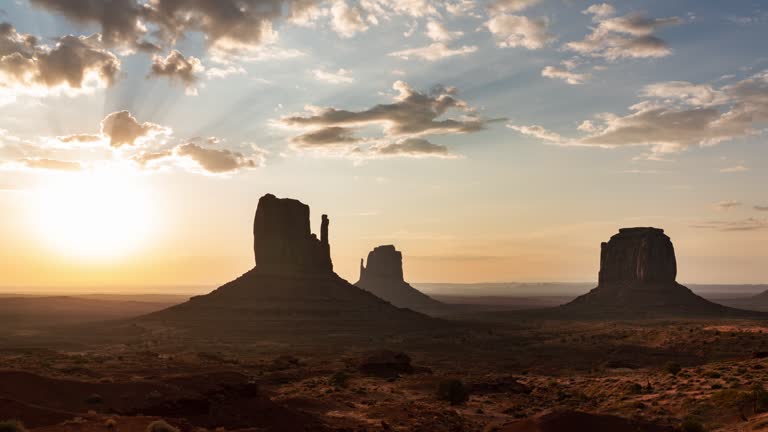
341,76
75,64
217,161
411,113
122,22
629,36
121,128
80,138
685,92
225,24
748,224
599,11
347,20
438,33
329,136
727,205
513,5
223,72
676,116
176,67
513,31
51,164
404,122
412,147
434,52
539,132
761,208
734,169
412,8
461,7
566,75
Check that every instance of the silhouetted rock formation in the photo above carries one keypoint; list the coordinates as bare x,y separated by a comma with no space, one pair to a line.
644,255
292,290
637,278
383,276
384,262
283,242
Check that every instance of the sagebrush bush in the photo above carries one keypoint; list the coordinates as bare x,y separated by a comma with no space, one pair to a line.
340,379
453,391
673,368
161,426
691,425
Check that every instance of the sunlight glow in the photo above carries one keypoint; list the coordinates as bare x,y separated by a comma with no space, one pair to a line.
93,215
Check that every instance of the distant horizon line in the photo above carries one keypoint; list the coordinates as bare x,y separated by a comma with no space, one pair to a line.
130,289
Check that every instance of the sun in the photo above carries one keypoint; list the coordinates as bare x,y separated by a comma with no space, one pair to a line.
93,215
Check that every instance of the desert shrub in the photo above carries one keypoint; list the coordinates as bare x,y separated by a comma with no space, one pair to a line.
634,388
93,399
453,391
12,426
110,423
713,375
672,368
691,425
340,379
161,426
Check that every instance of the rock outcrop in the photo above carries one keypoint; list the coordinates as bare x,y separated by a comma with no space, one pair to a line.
283,242
383,277
292,292
637,276
644,255
384,262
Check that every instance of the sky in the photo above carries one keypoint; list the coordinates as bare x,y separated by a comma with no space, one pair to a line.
489,141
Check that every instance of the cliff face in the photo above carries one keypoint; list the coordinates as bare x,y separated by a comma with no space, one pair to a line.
384,262
383,277
643,255
637,278
292,292
283,242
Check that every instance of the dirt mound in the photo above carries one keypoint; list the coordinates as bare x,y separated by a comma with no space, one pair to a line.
571,421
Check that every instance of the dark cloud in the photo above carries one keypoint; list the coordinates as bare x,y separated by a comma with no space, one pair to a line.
123,129
333,135
225,23
121,21
51,164
72,63
412,147
629,36
216,161
412,113
179,68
